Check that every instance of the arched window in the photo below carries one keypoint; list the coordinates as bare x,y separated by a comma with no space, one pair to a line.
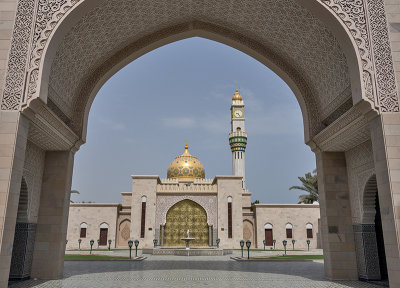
143,221
289,230
83,230
309,230
268,235
229,217
103,234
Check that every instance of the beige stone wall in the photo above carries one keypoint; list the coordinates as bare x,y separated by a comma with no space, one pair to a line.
144,186
126,198
7,15
230,186
279,215
93,215
246,199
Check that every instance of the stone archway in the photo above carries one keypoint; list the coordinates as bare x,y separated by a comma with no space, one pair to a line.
335,56
186,215
248,231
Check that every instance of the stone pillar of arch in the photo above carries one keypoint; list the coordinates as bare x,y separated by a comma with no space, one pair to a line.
13,139
48,255
337,231
385,136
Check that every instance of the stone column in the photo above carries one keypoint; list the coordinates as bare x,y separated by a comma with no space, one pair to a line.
385,136
162,235
48,255
209,235
215,236
337,231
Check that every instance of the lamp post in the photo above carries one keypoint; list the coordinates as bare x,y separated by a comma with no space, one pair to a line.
98,243
274,241
264,243
248,244
130,243
217,241
155,242
241,246
308,244
79,241
284,245
109,244
136,245
293,241
91,245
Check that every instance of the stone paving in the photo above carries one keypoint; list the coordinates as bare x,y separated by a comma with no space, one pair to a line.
197,271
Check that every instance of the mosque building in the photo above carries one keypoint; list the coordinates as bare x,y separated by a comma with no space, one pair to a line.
211,209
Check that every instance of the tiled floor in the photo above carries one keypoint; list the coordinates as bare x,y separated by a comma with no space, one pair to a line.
180,271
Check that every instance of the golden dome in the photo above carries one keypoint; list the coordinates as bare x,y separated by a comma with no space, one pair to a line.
237,96
186,167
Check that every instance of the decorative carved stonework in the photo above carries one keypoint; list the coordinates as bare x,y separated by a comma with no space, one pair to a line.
366,251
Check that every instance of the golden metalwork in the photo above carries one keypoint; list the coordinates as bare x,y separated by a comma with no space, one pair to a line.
185,215
237,96
186,167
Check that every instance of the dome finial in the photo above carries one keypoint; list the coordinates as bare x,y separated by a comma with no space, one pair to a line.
186,152
237,96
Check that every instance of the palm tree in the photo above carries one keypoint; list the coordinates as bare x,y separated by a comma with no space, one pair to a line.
310,185
74,192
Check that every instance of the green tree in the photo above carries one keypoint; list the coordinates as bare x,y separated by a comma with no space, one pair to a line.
255,202
74,192
310,185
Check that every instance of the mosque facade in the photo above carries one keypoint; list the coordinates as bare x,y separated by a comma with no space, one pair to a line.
211,209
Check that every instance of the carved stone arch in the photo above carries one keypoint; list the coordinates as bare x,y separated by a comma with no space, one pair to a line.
248,230
123,232
54,26
369,196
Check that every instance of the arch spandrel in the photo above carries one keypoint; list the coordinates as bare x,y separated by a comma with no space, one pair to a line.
287,50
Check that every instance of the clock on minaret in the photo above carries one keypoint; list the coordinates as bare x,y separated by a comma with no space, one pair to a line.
238,136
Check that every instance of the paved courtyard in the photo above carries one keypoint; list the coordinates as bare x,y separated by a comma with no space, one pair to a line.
180,271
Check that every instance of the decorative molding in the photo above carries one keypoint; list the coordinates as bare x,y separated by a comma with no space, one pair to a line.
385,76
164,203
18,55
49,13
353,15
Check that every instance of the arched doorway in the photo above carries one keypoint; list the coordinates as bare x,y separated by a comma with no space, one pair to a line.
24,238
185,215
124,233
369,236
103,234
248,231
269,237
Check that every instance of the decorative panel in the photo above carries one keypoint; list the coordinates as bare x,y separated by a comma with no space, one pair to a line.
183,216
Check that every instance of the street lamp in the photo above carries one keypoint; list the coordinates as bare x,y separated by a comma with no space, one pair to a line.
308,244
241,246
248,244
284,245
130,243
264,243
155,242
136,245
217,241
79,241
98,243
293,241
91,245
109,244
274,241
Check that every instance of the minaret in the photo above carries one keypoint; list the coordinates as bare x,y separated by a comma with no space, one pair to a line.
238,137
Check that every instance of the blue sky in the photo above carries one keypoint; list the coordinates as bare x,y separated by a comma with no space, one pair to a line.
143,115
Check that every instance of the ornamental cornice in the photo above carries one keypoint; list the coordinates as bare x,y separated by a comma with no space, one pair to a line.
47,131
